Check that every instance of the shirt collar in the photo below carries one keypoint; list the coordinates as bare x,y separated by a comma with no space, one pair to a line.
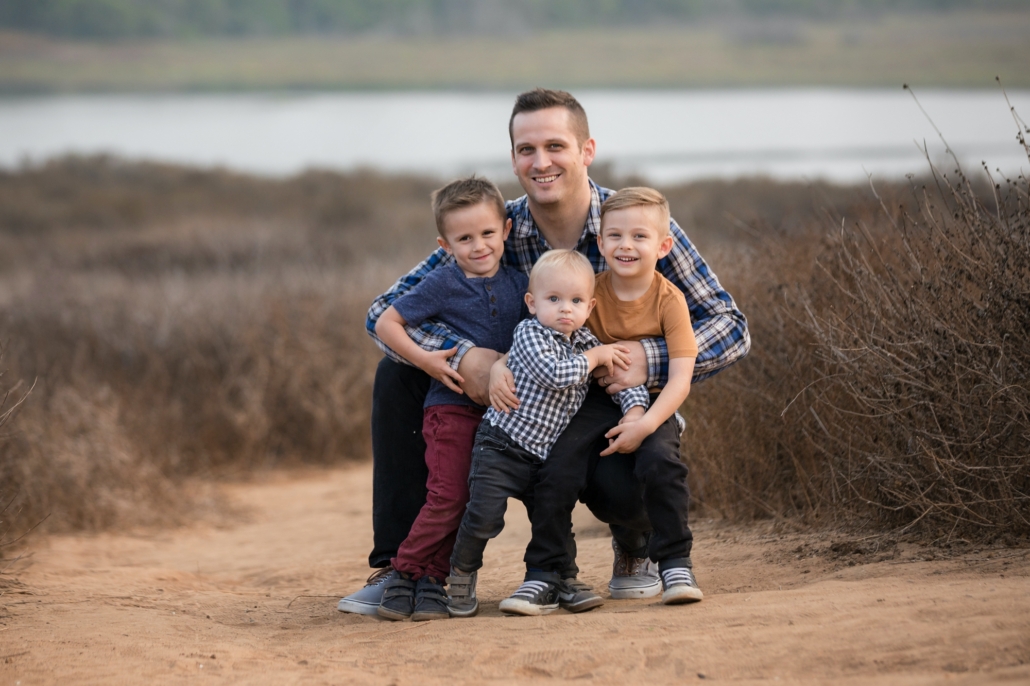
524,226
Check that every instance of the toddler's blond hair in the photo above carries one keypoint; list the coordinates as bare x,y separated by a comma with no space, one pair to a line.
561,259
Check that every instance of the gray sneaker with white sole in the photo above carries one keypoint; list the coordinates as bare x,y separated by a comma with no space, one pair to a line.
680,586
367,600
633,577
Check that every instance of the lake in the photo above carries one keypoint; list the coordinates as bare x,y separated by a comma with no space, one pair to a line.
834,134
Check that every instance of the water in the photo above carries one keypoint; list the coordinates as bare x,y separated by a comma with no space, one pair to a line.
834,134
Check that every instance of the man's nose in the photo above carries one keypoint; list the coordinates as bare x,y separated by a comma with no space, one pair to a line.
543,160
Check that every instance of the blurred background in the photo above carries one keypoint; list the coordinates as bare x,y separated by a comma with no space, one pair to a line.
199,198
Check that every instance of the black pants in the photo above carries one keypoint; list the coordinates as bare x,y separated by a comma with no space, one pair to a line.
613,492
501,469
571,472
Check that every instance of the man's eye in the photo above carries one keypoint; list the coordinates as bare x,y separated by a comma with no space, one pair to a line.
553,298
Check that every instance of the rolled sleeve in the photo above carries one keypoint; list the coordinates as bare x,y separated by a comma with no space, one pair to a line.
632,397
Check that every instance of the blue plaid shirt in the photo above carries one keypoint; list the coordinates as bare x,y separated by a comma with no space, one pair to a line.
551,380
719,327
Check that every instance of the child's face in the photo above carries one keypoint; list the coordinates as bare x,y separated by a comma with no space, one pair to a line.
632,240
475,236
562,299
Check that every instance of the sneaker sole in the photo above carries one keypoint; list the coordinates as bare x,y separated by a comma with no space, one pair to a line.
386,613
582,606
460,614
679,595
649,591
525,608
428,616
357,607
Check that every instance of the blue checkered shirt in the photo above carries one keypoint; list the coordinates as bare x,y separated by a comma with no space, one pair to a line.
719,327
551,380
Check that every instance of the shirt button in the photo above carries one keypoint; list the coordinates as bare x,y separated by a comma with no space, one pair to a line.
489,287
493,298
494,313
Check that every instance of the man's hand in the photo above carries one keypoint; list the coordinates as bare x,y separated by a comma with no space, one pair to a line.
635,374
627,436
474,370
502,387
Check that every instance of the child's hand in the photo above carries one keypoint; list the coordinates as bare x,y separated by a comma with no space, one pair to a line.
435,365
627,436
502,388
610,356
635,413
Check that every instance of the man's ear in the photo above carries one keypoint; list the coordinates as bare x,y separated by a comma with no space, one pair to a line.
665,247
588,150
444,244
507,229
530,303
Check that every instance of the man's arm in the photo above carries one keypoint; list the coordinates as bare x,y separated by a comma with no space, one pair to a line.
429,335
719,327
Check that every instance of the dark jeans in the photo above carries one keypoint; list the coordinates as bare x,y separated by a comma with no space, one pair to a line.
613,492
660,482
501,469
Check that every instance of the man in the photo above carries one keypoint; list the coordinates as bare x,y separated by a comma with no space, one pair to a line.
551,152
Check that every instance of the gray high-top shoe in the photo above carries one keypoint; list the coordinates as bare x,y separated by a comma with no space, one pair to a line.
633,577
461,594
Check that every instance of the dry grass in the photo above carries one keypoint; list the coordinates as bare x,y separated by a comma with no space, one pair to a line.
184,323
888,384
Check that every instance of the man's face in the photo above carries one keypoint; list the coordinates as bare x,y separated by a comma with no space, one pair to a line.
548,160
562,300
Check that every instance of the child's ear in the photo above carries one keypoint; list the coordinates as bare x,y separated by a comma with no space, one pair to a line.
444,244
507,229
590,306
530,303
665,247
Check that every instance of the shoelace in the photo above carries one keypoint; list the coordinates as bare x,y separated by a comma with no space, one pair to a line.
678,575
379,576
530,588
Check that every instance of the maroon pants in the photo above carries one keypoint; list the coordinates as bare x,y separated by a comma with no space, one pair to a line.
449,431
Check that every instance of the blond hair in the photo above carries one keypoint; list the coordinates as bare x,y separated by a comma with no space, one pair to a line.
561,259
466,193
639,196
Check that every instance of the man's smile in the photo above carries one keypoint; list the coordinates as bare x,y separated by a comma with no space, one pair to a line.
546,179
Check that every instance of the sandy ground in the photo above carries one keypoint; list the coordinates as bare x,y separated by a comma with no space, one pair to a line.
253,601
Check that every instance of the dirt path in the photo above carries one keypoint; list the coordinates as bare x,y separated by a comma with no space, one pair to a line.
244,604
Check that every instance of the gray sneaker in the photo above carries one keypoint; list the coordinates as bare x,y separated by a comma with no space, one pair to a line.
461,594
576,596
366,601
680,586
633,577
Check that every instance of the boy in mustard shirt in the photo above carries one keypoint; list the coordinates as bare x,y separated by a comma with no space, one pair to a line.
634,301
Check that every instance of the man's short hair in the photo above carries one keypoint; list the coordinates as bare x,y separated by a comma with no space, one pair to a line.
639,196
545,98
466,193
564,260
